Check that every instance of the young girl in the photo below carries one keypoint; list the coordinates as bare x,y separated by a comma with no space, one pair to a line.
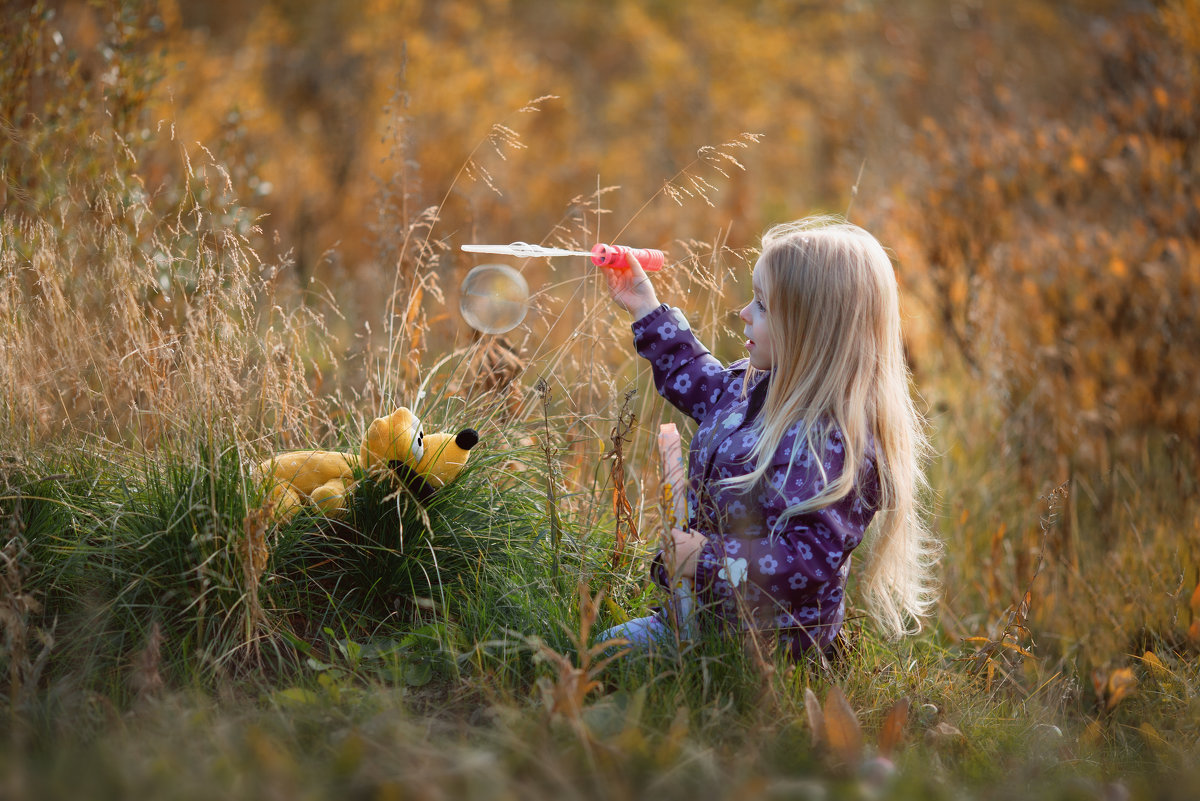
798,445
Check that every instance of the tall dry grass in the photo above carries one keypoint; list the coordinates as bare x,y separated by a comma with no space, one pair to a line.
130,316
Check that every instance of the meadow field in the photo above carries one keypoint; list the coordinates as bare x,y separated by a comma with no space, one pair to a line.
233,229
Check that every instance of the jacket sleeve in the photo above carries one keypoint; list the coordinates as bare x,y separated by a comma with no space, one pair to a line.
685,372
779,566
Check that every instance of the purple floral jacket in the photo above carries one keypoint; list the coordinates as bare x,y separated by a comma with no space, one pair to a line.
788,577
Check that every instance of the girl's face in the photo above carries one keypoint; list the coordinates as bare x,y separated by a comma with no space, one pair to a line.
754,315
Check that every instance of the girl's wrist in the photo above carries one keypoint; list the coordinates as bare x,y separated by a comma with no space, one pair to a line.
643,309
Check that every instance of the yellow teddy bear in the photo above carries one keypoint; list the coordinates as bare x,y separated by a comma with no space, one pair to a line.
396,442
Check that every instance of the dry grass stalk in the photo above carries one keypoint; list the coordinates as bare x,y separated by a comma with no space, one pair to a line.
543,390
689,184
623,518
406,324
145,679
989,658
254,553
565,696
16,608
490,374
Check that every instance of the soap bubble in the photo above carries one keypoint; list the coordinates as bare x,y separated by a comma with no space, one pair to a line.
494,298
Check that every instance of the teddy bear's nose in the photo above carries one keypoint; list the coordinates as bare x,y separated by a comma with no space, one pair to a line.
467,438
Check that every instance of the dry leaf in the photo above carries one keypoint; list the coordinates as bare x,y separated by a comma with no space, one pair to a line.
1098,683
842,729
892,733
1012,646
1157,669
816,718
1121,684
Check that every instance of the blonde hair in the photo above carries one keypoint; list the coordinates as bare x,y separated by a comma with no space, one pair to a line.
834,319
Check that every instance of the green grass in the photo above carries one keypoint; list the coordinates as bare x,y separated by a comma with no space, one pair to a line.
409,648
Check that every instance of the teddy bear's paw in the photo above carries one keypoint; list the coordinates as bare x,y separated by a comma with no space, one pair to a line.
330,497
284,501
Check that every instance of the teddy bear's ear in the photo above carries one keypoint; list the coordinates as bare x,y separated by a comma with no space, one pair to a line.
398,437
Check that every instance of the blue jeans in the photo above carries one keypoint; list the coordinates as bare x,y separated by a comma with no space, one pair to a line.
643,633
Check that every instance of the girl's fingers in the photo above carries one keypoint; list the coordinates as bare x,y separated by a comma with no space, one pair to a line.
629,286
685,547
635,269
618,285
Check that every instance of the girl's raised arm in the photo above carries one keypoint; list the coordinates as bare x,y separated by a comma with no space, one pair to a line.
631,289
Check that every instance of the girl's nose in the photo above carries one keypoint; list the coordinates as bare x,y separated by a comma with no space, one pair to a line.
742,313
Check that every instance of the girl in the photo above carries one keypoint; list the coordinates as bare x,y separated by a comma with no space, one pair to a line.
798,445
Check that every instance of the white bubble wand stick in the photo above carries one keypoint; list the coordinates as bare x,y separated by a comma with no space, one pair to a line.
602,255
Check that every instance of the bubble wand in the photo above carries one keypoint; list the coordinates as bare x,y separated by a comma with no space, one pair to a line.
612,257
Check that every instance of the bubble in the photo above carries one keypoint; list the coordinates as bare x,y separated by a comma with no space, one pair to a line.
494,298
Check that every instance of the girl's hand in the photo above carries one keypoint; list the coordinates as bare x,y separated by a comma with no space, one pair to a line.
631,289
682,553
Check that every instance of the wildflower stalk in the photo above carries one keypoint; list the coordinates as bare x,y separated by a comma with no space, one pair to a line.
543,390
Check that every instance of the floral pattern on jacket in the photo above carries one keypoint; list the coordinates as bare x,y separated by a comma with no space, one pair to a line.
787,576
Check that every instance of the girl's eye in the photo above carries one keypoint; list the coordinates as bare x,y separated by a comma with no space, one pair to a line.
760,305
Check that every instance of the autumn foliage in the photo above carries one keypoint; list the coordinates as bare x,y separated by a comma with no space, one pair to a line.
1060,247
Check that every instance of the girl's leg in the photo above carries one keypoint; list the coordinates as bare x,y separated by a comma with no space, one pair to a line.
643,633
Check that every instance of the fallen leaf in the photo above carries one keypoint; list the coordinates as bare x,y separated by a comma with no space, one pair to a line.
892,733
1155,666
842,729
618,614
1121,684
816,718
296,696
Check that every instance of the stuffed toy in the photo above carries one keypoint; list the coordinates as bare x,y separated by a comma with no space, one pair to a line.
396,443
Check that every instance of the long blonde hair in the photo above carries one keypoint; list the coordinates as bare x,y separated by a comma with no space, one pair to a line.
833,312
